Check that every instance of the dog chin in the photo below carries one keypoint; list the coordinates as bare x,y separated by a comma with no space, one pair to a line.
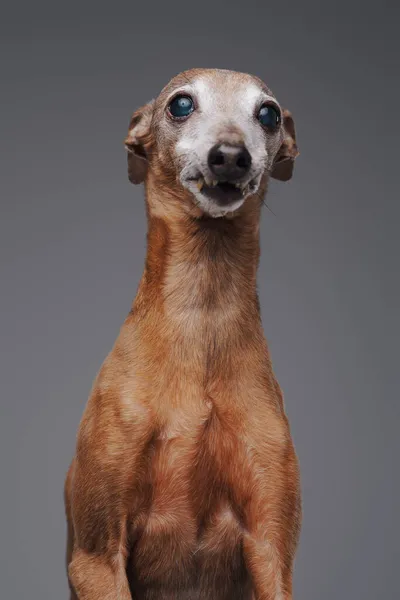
211,206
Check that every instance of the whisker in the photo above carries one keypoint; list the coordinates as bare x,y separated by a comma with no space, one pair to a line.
265,204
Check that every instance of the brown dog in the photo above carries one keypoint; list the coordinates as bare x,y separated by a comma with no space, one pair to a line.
185,483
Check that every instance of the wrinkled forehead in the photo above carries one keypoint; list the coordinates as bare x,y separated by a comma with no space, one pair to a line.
218,89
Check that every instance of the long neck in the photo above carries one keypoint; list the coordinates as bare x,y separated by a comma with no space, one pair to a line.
198,293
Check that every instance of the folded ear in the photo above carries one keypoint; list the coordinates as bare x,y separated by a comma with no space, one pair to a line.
283,166
137,142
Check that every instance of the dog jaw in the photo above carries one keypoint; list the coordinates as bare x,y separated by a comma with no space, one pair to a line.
198,187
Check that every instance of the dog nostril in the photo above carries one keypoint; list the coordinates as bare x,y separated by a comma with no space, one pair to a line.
217,158
242,161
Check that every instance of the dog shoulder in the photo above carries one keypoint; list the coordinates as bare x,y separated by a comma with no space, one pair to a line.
116,419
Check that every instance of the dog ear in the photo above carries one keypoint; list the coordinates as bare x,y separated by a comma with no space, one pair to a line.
137,141
283,166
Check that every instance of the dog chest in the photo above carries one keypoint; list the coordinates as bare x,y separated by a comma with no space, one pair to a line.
188,530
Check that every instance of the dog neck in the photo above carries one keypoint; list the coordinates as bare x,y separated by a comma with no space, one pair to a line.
198,293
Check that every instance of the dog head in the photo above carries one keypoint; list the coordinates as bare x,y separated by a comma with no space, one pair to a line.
213,137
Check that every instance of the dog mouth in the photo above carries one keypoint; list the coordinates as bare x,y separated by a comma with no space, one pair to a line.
223,193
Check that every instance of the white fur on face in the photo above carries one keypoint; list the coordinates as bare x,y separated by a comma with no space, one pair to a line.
219,108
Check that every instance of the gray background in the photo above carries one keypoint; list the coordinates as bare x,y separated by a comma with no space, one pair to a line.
73,245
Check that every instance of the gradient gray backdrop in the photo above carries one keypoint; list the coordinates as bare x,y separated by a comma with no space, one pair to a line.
73,245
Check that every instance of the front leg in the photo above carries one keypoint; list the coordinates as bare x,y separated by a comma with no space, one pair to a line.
99,577
266,570
273,519
106,468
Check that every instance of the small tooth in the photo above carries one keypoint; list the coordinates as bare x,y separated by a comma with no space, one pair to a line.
238,186
200,183
208,181
214,182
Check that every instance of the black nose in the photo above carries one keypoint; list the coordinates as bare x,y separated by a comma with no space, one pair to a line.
228,162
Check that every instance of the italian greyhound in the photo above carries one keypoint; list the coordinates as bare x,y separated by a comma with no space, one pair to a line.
185,482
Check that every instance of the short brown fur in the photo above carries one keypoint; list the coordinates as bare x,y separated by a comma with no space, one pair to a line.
185,482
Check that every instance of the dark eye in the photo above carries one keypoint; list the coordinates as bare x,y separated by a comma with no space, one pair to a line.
181,106
269,116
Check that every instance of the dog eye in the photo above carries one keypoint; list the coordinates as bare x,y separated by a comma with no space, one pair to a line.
269,116
181,106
